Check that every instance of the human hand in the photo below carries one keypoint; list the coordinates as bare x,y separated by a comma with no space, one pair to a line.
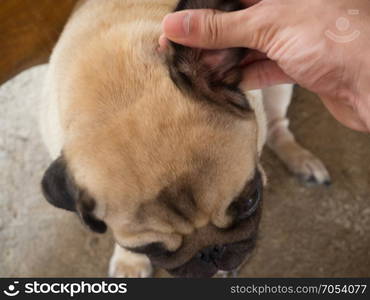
293,41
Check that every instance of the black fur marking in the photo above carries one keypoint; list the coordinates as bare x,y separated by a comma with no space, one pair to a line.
153,250
216,83
87,207
57,187
60,190
178,199
226,5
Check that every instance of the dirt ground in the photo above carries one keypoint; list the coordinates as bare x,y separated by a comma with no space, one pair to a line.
305,232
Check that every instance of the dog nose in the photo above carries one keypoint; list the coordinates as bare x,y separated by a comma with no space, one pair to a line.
211,253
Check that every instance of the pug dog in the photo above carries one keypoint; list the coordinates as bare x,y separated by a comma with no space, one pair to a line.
162,148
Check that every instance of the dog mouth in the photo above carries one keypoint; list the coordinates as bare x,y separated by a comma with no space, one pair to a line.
208,261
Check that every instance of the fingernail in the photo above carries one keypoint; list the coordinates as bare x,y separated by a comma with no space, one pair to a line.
177,25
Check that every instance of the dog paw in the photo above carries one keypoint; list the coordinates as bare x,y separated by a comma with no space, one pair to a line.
123,269
125,264
301,162
227,274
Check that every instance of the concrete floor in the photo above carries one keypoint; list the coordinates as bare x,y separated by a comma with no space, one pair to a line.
305,231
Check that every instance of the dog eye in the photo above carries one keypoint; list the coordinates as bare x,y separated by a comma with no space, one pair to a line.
246,205
249,205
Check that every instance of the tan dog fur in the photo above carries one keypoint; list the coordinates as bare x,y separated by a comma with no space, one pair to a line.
127,132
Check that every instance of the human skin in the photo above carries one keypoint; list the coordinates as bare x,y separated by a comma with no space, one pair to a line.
291,42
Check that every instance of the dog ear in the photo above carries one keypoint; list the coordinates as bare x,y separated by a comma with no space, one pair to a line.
86,207
57,187
210,75
59,190
226,5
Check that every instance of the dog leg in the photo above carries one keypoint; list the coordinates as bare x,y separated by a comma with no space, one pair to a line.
228,274
281,140
126,264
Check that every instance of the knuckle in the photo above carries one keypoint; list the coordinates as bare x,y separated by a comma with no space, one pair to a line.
212,27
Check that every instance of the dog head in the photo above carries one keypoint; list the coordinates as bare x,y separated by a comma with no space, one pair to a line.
165,152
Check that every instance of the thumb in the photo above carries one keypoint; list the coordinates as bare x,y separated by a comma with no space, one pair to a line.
212,29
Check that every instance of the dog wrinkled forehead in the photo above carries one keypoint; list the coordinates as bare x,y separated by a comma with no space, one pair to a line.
168,157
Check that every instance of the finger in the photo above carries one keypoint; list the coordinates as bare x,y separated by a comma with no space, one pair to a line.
344,114
163,44
211,29
263,74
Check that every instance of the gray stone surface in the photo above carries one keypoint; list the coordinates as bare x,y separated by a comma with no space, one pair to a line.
305,231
